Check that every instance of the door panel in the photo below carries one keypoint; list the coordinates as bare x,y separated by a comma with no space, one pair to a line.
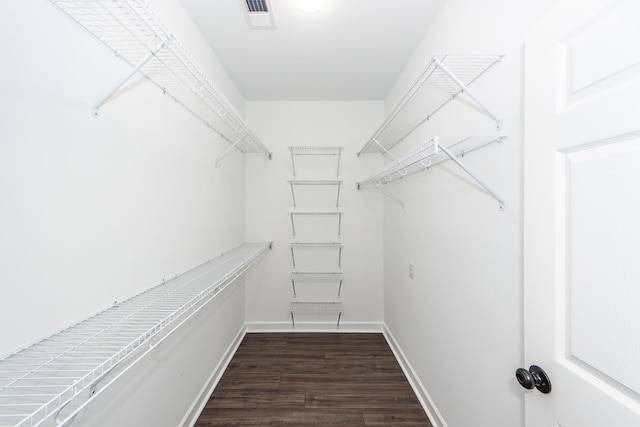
582,214
603,259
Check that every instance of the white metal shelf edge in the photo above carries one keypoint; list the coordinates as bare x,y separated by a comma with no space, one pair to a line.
315,151
62,371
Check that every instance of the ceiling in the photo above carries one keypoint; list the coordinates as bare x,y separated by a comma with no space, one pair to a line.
349,50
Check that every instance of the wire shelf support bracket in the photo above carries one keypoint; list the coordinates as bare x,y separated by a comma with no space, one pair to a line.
152,53
50,382
441,81
427,155
132,31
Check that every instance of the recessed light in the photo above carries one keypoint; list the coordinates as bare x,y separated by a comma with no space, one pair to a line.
310,5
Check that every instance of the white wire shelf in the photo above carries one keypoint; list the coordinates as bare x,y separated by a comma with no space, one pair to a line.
299,182
315,151
316,246
432,152
441,81
50,382
132,31
316,277
337,214
326,308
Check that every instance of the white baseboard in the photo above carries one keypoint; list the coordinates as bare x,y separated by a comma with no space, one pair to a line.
347,327
198,405
418,388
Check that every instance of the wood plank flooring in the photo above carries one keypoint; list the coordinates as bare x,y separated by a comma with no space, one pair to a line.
322,379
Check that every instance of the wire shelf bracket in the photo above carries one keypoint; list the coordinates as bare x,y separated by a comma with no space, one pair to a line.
298,182
316,277
132,31
320,245
315,151
427,155
441,81
52,381
325,308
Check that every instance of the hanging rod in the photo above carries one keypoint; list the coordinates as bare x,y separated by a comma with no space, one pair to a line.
316,277
296,182
132,31
441,81
315,151
432,152
53,380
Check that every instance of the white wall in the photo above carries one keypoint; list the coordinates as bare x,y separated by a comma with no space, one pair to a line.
96,210
459,322
285,124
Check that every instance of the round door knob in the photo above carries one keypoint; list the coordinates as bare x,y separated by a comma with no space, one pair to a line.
534,377
525,379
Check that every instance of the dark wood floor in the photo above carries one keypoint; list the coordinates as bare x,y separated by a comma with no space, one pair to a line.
298,379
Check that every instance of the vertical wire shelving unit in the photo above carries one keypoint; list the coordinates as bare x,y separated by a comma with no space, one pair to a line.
133,32
316,308
50,382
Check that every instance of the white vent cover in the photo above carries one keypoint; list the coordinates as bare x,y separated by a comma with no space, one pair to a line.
257,6
258,13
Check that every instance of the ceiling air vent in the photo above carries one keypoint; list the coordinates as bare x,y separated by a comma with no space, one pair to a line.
258,14
257,6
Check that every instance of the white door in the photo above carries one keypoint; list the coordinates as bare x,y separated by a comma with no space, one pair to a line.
582,214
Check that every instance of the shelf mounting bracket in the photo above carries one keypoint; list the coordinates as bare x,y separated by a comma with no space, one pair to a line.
437,147
466,90
388,192
152,53
226,153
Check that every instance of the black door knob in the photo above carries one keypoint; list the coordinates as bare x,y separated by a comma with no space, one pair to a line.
534,377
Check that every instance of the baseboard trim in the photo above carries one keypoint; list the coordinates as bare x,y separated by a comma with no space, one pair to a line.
418,388
198,405
346,327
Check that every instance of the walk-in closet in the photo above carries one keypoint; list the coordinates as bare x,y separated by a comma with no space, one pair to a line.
319,212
